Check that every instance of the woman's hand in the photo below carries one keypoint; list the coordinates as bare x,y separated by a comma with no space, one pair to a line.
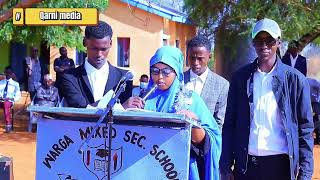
197,134
133,102
189,114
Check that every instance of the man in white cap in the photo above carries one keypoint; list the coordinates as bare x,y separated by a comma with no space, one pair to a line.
267,133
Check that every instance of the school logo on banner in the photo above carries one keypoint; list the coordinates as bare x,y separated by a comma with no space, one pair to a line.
63,176
95,159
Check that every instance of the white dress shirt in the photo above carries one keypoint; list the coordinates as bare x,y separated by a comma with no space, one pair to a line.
293,60
97,78
196,82
13,90
267,132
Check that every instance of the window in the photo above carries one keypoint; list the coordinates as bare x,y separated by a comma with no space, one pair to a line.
165,42
165,39
123,52
187,63
177,43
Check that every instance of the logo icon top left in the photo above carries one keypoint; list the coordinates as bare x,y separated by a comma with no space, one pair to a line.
18,16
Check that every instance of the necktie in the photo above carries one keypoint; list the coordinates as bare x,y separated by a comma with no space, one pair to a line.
6,90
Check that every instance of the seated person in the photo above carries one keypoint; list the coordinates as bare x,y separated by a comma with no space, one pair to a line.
166,69
9,93
47,94
139,91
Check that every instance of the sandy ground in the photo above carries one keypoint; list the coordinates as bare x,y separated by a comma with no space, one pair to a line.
21,145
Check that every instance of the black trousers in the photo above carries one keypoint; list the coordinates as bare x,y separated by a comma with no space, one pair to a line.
275,167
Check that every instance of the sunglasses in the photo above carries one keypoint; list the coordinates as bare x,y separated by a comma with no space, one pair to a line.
165,71
261,42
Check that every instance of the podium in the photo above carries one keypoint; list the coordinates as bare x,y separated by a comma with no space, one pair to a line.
145,145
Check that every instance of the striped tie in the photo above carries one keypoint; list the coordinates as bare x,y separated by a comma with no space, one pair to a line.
6,90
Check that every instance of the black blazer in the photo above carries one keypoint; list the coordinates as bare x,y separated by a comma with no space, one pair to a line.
301,64
77,90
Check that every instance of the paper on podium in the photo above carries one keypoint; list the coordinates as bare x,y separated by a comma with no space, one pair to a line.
138,110
105,99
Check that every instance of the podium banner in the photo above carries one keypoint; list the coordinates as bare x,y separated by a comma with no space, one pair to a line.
138,152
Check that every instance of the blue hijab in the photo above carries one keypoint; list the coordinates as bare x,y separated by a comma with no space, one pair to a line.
165,101
162,101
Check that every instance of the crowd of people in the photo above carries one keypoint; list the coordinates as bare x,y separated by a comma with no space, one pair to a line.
258,126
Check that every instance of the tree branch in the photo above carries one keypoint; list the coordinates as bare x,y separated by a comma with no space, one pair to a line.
309,37
2,2
23,4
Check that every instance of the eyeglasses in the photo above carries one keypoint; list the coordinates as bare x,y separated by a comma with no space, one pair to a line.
261,42
165,71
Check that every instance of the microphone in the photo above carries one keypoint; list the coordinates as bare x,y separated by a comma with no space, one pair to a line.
147,94
127,77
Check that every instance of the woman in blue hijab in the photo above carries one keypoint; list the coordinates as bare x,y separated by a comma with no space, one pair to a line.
166,70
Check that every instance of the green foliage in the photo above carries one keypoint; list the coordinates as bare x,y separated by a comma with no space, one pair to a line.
55,35
211,61
295,18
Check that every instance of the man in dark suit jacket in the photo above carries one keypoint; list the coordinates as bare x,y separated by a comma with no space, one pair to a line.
85,85
293,59
212,88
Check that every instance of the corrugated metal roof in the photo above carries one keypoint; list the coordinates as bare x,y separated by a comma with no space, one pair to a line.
162,11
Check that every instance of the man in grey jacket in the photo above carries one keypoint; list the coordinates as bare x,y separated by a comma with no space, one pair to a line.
210,86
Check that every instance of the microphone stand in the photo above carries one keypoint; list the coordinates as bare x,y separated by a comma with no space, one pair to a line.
109,121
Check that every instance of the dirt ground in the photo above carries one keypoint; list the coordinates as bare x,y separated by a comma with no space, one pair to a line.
21,145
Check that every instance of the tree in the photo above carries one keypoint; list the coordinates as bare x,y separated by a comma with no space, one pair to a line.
54,35
231,20
298,19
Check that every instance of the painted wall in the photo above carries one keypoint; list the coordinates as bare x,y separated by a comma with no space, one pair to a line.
143,29
146,32
183,33
13,55
4,56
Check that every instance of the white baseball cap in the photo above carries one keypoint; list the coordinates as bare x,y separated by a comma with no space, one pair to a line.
267,25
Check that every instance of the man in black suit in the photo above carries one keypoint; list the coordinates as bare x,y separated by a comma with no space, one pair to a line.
85,85
293,59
